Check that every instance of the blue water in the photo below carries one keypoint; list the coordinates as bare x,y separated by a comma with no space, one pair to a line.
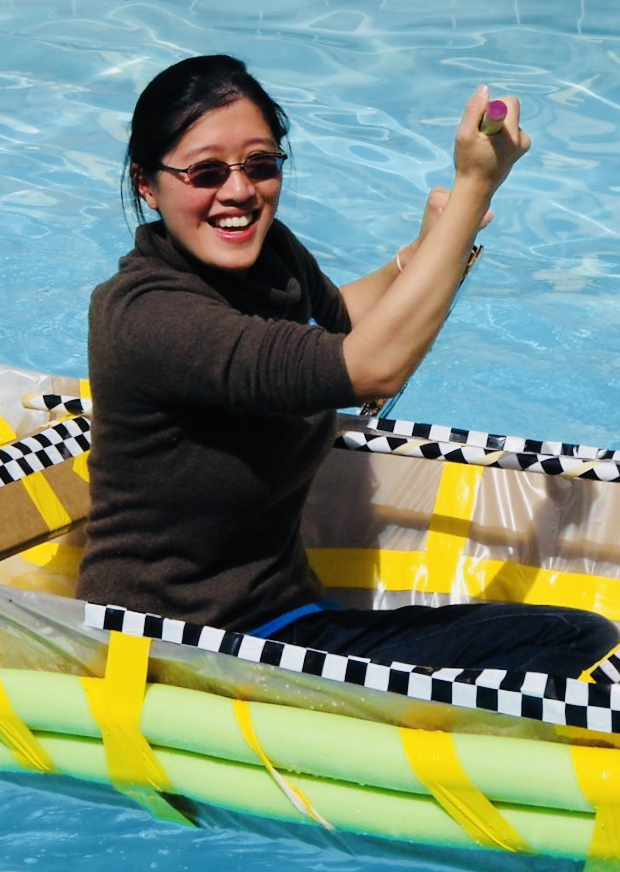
375,90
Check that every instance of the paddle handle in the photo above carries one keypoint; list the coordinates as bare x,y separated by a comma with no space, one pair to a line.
493,119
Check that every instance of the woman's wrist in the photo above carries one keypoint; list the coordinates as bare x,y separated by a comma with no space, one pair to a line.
477,190
471,197
405,253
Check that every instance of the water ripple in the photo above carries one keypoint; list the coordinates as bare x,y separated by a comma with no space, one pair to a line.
375,90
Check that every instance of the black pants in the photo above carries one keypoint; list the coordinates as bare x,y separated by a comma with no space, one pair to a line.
516,637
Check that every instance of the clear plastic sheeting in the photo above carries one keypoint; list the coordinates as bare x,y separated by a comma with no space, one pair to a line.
39,631
193,723
381,530
16,419
44,482
389,530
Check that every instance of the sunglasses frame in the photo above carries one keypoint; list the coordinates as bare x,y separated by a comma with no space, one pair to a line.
242,165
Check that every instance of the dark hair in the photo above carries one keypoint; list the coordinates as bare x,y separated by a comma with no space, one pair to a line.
176,98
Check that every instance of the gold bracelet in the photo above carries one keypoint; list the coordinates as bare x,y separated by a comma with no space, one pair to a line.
475,253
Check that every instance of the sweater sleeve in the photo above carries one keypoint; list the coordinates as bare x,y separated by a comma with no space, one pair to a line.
193,349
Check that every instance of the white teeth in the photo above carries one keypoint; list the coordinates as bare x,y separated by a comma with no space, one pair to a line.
234,221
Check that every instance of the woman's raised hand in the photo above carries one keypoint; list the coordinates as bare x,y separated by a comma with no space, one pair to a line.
488,159
403,311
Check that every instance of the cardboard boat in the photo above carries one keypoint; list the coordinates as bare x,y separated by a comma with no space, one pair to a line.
478,766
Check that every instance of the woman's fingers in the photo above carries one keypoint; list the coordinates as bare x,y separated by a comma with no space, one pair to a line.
474,111
511,124
490,158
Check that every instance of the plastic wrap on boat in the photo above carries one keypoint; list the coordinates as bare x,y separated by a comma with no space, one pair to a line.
387,530
44,486
195,722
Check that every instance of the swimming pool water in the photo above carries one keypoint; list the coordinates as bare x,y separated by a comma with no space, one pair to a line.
374,89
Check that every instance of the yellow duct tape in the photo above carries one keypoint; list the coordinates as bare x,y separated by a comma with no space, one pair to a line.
598,775
449,527
495,580
58,557
7,433
80,466
116,704
435,762
19,739
242,712
437,568
46,502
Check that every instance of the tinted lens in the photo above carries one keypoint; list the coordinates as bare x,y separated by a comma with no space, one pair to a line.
263,166
213,173
209,174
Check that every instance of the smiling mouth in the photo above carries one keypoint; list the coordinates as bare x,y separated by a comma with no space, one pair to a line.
235,222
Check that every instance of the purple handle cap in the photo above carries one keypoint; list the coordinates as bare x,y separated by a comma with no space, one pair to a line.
497,110
493,118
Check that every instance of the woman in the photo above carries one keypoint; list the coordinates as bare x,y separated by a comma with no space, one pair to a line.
215,397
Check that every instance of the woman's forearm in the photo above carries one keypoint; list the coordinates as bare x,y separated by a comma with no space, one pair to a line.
361,295
390,339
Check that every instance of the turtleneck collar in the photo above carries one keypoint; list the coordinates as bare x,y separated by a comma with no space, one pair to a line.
270,281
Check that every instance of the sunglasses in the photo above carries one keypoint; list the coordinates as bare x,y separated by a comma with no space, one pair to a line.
258,167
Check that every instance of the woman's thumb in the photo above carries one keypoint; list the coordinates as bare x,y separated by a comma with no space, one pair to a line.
475,106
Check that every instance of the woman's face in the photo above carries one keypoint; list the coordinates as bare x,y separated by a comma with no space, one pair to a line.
200,220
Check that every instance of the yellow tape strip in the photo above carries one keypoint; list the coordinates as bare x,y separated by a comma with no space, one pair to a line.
364,568
56,557
501,580
437,568
80,466
84,389
598,775
449,527
116,704
242,712
435,762
19,739
46,502
7,433
508,582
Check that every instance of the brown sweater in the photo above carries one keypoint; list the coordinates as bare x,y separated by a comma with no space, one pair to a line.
210,397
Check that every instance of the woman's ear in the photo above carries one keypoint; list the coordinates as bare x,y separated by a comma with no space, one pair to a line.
145,186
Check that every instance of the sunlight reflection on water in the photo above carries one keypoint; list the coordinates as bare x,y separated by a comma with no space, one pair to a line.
374,90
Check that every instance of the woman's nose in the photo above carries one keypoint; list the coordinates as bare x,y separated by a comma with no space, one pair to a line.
238,185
